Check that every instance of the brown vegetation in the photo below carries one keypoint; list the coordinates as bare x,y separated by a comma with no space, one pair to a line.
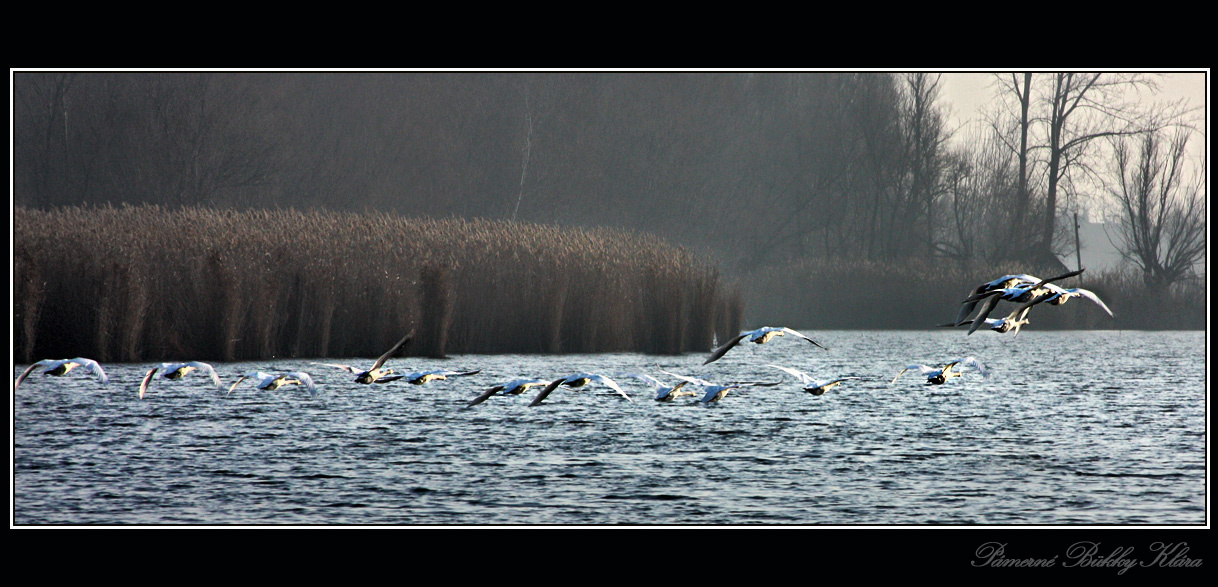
143,283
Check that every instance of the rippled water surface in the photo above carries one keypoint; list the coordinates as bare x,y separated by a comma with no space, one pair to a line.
1070,428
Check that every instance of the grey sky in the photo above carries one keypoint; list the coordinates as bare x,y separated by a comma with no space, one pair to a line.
967,92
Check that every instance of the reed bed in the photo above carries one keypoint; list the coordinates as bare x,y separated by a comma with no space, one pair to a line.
139,283
846,294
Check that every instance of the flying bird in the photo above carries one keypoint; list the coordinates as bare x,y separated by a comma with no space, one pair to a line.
1061,296
1004,282
422,377
515,387
664,392
940,375
175,371
813,386
271,382
759,336
1014,321
1021,289
1019,293
577,381
713,392
376,374
61,367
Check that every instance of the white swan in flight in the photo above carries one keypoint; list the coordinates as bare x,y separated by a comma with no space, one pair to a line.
1004,282
1014,321
576,381
1062,295
760,336
61,367
271,381
814,386
940,375
713,392
376,374
1019,293
423,377
1023,290
514,387
175,371
664,392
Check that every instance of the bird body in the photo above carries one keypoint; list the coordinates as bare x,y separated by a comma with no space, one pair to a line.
813,386
520,386
576,381
940,375
1061,296
1004,282
515,387
1014,321
175,371
999,324
272,382
1012,287
713,392
664,392
61,367
759,336
377,374
1020,293
423,377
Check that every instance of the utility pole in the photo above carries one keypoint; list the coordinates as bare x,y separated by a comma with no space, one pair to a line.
1078,252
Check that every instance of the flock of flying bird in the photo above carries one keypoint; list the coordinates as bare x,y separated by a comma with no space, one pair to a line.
1025,291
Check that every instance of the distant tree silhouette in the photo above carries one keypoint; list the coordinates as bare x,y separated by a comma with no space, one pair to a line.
1160,226
1017,232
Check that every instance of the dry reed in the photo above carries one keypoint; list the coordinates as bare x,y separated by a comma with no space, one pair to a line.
138,283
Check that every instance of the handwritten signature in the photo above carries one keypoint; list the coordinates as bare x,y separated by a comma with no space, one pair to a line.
1086,554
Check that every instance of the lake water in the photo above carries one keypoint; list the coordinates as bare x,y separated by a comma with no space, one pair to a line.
1070,428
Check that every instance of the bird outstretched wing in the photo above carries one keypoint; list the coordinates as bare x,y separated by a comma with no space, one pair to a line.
385,357
722,350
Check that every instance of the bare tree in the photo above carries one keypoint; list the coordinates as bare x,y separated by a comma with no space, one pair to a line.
1050,122
981,183
42,151
528,145
959,240
925,137
204,143
1019,87
182,138
1082,107
539,91
1161,224
876,160
795,161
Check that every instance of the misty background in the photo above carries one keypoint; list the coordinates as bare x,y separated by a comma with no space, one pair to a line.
791,181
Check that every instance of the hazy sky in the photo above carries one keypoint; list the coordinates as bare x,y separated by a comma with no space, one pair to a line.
968,92
965,93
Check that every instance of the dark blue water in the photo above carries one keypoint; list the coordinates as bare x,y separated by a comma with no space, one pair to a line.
1071,428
